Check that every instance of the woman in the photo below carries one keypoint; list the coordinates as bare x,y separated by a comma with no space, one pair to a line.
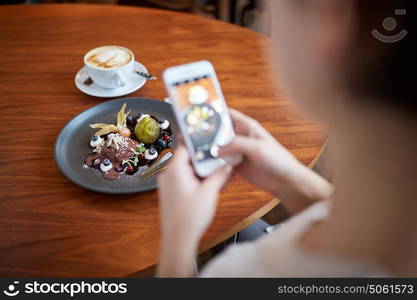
362,90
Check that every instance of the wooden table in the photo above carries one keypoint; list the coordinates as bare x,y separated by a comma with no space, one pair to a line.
51,227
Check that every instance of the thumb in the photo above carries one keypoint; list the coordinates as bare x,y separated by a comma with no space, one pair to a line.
216,180
239,145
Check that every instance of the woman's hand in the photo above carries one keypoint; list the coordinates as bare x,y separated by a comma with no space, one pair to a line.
187,207
270,166
266,163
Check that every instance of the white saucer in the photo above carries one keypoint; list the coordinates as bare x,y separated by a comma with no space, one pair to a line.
133,84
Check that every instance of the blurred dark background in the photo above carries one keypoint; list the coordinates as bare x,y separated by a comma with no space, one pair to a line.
245,13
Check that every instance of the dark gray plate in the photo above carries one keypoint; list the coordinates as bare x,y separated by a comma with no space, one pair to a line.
72,145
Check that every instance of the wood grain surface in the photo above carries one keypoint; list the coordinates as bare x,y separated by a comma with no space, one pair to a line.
51,227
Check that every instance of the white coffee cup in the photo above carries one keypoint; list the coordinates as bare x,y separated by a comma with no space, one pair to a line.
109,66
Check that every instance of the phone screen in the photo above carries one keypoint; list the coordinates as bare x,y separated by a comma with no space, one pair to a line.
204,113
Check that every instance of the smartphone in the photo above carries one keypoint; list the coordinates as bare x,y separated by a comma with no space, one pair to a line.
202,114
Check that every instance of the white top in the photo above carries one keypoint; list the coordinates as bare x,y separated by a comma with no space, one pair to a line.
278,255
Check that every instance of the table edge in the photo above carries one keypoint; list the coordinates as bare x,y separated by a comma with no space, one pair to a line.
149,9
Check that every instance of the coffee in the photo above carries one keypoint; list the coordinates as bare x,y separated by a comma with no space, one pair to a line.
110,66
108,57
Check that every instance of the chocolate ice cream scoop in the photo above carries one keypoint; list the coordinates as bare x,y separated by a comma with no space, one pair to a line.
118,152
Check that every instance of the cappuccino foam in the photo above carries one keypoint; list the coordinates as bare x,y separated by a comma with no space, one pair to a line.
109,57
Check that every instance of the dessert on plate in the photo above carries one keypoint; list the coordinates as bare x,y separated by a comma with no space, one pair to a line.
137,143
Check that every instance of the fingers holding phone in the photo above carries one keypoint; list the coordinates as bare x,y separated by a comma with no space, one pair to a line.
201,112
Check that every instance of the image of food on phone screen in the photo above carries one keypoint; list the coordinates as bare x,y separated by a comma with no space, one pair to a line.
205,115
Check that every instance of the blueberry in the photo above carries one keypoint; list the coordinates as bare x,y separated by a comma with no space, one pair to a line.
129,119
107,162
96,162
161,120
120,169
94,138
152,151
161,143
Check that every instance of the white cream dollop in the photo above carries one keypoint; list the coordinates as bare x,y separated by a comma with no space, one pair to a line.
149,156
164,125
105,168
96,142
142,116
